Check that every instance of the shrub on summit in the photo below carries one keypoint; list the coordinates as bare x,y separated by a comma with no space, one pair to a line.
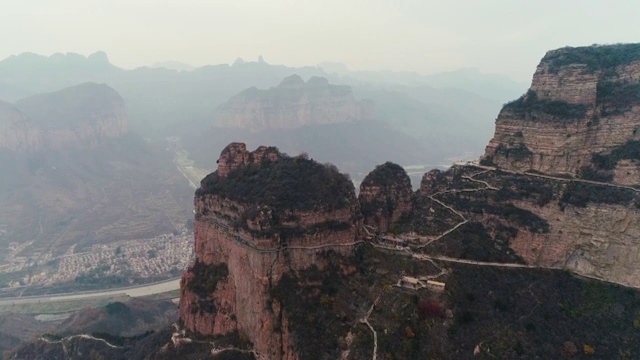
287,183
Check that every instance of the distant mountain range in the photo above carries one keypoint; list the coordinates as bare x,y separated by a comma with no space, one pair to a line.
416,119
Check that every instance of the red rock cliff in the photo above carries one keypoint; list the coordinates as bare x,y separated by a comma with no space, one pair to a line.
249,231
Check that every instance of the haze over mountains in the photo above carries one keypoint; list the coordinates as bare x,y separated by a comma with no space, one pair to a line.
72,174
71,129
161,101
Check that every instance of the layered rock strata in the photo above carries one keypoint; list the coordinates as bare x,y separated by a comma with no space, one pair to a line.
582,102
245,241
580,118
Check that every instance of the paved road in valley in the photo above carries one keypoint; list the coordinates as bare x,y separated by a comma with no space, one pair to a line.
137,291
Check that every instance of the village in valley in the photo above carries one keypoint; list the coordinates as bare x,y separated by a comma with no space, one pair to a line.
161,257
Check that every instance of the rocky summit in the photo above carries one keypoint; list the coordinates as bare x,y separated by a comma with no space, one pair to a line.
259,216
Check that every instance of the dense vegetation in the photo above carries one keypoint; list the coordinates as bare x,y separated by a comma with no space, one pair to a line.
579,194
615,98
328,304
473,242
484,204
525,187
529,106
629,151
528,314
288,183
117,309
598,57
602,165
387,174
510,313
589,173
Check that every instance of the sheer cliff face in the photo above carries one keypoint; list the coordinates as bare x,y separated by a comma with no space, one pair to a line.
582,102
293,104
75,117
249,232
385,196
580,118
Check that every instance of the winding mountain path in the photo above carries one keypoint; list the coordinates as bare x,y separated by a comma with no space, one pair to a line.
365,321
551,177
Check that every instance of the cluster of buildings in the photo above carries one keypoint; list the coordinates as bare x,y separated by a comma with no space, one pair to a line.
140,258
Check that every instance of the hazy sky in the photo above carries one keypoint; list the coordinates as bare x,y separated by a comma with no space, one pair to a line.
504,36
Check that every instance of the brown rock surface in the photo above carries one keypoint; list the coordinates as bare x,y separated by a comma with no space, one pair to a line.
248,239
581,118
582,102
235,155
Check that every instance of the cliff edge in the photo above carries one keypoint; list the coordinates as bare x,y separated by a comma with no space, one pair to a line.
262,215
579,117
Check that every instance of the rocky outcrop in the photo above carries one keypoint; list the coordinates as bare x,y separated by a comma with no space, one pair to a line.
579,118
582,102
235,155
80,116
260,216
385,196
293,104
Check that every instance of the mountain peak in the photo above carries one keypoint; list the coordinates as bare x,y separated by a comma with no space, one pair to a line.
292,81
318,81
98,57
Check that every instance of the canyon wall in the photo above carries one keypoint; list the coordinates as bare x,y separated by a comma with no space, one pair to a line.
582,102
579,119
